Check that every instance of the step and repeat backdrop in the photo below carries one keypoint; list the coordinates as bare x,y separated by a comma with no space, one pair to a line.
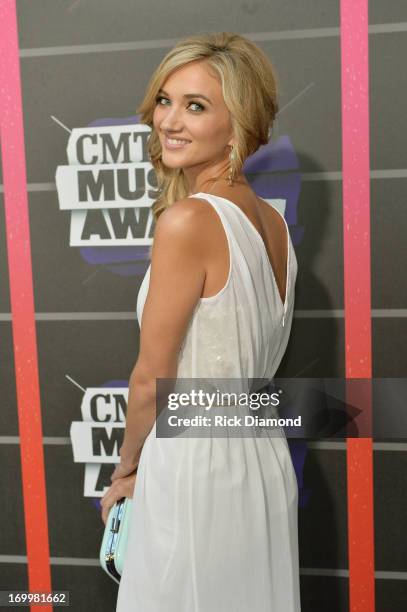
75,233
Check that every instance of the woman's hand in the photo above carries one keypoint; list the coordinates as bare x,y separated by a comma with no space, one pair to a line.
121,487
122,470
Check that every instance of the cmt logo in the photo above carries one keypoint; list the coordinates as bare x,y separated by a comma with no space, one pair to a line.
97,438
109,187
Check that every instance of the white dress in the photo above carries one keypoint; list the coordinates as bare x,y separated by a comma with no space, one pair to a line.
214,523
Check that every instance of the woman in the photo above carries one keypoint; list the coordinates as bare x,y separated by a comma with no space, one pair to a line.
214,524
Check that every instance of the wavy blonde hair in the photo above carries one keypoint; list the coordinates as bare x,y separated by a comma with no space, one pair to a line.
248,81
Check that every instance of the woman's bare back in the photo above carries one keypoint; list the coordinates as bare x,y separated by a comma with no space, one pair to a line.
266,220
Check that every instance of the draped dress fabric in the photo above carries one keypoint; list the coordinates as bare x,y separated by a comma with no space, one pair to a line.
214,520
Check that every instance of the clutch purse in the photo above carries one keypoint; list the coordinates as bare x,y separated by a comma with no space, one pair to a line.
115,538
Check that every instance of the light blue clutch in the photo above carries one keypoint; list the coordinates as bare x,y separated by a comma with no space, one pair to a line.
114,542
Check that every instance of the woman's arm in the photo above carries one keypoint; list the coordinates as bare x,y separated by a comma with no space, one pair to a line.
176,280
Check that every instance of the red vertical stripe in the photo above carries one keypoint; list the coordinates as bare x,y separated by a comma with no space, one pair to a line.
356,228
22,305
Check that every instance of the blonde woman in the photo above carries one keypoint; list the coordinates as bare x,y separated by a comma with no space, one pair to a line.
214,524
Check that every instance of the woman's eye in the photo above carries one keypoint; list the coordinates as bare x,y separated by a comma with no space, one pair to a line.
197,104
200,108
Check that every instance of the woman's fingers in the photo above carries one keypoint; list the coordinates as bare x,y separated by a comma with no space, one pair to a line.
105,512
122,487
112,495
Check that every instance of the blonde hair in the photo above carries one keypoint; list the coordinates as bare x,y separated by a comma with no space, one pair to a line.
248,81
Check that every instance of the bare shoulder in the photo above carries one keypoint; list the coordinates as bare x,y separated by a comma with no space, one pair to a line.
184,217
186,225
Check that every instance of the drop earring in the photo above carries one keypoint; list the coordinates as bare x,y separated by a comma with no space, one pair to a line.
232,157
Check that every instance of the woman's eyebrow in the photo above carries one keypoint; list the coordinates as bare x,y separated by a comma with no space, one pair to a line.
190,95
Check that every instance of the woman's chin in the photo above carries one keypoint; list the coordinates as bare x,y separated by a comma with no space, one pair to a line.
171,162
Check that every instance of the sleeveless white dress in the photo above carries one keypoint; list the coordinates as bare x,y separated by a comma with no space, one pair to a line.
214,520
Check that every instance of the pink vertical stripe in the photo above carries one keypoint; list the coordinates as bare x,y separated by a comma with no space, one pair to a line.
22,305
356,228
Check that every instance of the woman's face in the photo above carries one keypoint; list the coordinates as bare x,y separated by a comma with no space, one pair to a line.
202,124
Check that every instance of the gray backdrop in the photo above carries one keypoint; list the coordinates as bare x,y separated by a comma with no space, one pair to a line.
74,67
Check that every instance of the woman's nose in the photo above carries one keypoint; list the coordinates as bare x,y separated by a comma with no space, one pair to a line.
172,120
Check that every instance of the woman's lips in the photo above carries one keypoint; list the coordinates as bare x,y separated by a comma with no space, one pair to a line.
171,143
